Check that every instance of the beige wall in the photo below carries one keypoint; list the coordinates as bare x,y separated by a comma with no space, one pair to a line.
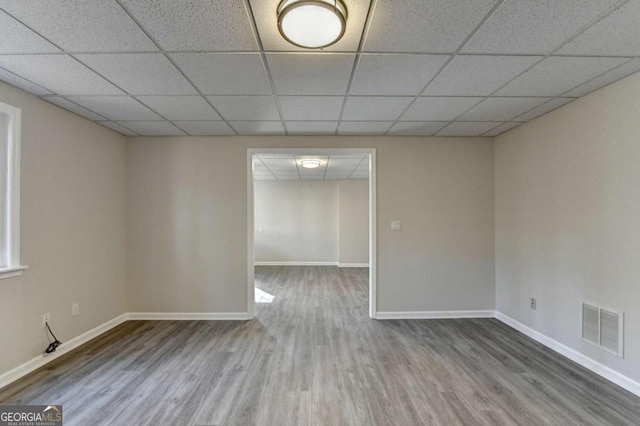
188,221
354,221
73,229
296,221
567,221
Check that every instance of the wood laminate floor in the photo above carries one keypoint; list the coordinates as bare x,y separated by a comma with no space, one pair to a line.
314,357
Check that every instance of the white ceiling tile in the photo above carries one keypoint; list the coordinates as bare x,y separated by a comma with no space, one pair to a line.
259,175
15,37
311,73
205,128
225,73
118,128
359,176
365,108
478,75
60,74
311,157
140,73
116,108
438,109
555,75
272,163
70,106
195,24
284,174
616,35
543,109
312,177
23,84
342,164
336,177
395,74
601,81
534,27
417,128
292,177
312,127
252,108
267,155
258,128
82,25
501,129
501,109
267,24
153,128
350,156
424,26
193,108
462,128
364,127
311,108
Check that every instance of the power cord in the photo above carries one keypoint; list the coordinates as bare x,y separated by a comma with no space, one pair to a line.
52,345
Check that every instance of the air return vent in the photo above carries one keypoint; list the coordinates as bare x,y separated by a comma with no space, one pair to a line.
603,328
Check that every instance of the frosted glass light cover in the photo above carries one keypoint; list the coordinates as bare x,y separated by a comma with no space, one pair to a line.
312,24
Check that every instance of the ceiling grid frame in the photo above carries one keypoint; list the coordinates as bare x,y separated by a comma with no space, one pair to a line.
606,75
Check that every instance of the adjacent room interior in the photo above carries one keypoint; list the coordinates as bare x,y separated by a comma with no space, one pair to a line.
462,249
310,209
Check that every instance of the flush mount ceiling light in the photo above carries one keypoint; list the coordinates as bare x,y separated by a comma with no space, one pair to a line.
312,24
310,164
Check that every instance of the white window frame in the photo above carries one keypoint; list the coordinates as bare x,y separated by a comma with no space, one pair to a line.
12,243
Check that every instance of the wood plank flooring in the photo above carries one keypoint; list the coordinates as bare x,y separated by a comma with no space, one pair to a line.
313,357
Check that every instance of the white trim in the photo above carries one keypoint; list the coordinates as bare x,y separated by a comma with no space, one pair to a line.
575,356
305,263
301,263
251,296
371,152
373,241
12,218
189,316
39,361
435,315
15,271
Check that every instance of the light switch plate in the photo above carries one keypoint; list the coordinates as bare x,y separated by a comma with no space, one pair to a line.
395,225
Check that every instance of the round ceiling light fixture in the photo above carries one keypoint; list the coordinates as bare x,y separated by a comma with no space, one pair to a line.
312,24
310,164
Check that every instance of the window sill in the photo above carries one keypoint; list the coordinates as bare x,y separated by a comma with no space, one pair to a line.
14,271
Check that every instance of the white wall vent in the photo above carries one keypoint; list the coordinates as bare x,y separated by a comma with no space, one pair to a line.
603,328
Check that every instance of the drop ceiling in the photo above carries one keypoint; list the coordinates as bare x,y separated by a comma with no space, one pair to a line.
332,167
404,67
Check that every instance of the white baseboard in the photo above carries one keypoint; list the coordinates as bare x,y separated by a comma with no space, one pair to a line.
175,316
434,315
39,361
575,356
295,263
303,263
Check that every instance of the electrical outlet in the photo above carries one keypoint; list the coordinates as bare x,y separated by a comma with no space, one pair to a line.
45,320
534,303
75,309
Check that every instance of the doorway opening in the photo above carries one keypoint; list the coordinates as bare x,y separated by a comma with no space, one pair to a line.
350,171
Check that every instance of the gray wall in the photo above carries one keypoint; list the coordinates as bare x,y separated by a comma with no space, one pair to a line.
567,222
188,221
312,221
73,193
354,221
296,221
